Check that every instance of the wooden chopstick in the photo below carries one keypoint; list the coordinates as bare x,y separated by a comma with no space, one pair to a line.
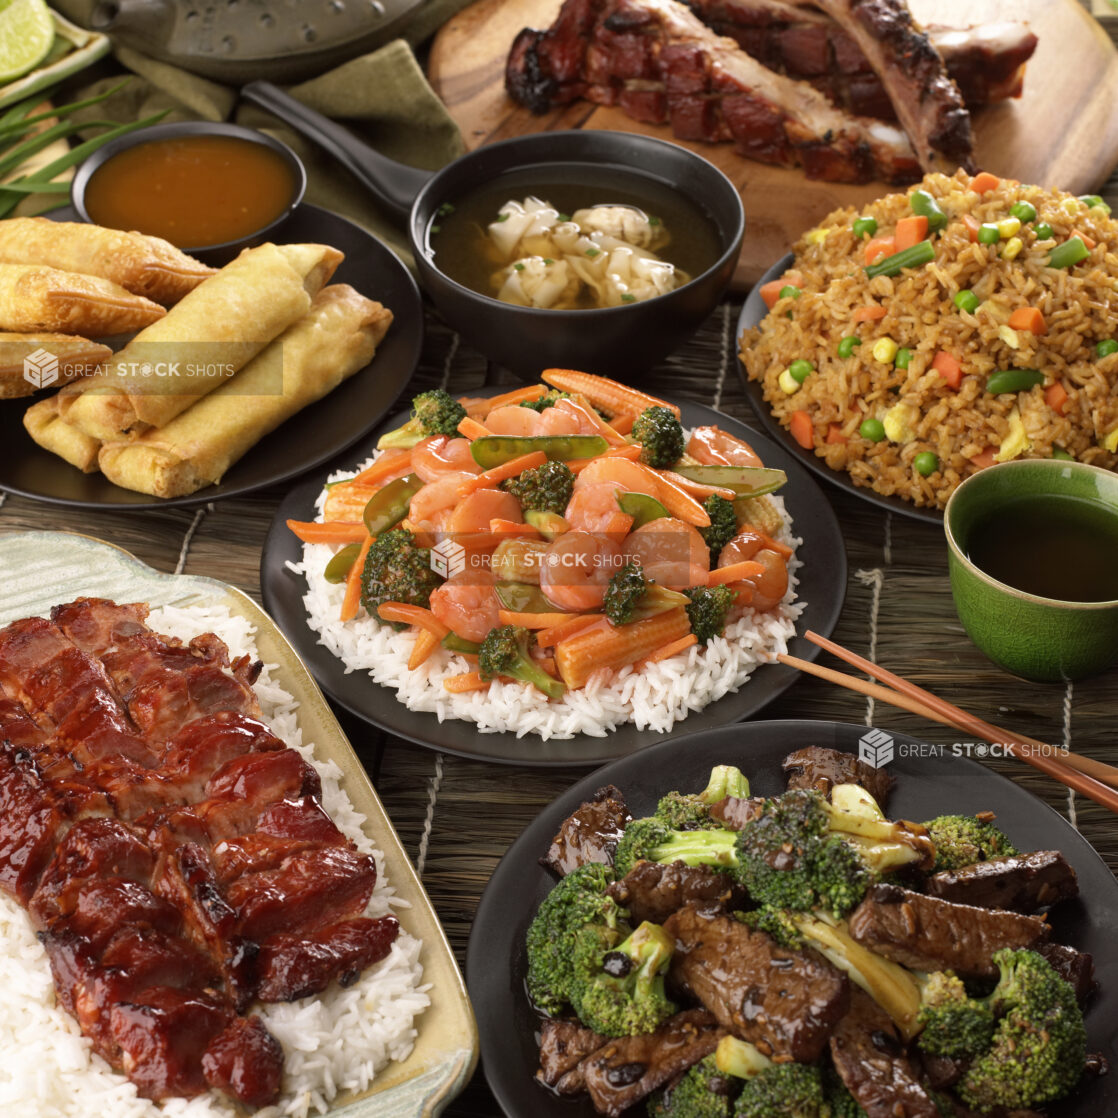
1030,750
1107,774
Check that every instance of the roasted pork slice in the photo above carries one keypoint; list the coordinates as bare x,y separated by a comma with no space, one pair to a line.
929,934
295,964
927,102
870,1056
624,1071
563,1047
658,62
244,1060
590,834
651,891
1022,882
821,769
785,1002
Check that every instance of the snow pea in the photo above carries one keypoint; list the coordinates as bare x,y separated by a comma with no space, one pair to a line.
341,563
388,506
745,481
494,450
641,507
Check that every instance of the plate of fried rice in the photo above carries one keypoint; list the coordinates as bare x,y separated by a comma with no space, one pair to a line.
364,665
972,320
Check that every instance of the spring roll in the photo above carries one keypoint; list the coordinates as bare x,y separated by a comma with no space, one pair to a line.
144,265
53,433
34,297
55,359
337,337
213,332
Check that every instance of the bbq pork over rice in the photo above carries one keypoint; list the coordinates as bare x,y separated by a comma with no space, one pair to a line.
803,956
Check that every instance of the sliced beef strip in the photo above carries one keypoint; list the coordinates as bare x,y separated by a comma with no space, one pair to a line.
563,1047
590,834
785,1002
1075,967
1021,882
624,1071
942,1072
733,812
651,891
928,934
870,1056
821,769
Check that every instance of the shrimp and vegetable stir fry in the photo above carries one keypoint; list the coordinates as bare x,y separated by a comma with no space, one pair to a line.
555,532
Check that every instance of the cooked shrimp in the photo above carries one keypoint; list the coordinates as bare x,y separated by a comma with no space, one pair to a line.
769,587
567,417
714,447
513,420
631,477
576,570
439,455
592,506
481,506
467,603
437,496
671,552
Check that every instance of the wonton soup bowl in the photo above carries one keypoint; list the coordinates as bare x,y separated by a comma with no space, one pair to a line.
619,342
1042,639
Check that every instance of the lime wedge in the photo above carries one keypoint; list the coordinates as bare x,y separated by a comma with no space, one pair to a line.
26,36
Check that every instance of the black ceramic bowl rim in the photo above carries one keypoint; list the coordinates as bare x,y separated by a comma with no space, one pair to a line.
172,131
549,147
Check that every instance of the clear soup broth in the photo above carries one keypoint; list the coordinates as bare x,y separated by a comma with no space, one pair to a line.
458,237
1054,547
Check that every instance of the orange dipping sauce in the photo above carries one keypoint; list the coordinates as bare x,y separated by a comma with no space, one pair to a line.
194,191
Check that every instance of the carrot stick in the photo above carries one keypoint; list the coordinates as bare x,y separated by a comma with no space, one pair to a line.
735,572
407,614
948,368
1056,397
501,527
696,488
532,620
986,458
911,231
623,424
1028,318
508,399
575,465
670,649
546,638
618,526
512,468
337,532
770,292
385,468
984,182
467,681
869,314
425,643
802,430
471,429
614,438
879,246
352,597
677,501
972,228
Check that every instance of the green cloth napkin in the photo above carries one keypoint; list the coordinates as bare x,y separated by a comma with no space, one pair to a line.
384,97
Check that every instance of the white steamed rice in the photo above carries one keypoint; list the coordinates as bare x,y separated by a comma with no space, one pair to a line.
335,1042
655,698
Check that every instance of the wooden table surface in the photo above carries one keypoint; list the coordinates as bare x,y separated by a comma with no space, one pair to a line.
457,817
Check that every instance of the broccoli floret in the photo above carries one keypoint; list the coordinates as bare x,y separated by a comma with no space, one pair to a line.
954,1024
432,413
576,908
707,610
639,841
620,991
799,853
396,570
775,923
783,1091
842,1103
1040,1044
962,840
632,597
505,652
723,525
546,488
703,1092
547,400
660,435
688,810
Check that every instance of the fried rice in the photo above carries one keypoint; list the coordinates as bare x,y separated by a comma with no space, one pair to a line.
966,427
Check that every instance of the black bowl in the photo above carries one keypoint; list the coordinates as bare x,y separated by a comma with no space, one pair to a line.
619,342
214,255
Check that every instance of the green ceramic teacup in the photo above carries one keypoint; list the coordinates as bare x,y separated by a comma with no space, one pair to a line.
1034,637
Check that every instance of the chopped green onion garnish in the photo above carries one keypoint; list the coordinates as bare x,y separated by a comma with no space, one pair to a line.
519,267
500,218
846,345
446,209
1072,251
1023,211
966,301
801,370
864,226
564,217
627,298
914,257
593,252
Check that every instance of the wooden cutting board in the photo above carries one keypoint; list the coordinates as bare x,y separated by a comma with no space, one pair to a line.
1062,132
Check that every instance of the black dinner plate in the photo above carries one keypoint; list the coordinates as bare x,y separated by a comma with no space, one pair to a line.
926,787
751,314
822,586
304,441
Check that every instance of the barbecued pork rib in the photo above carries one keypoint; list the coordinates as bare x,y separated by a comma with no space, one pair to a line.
927,102
986,62
657,61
